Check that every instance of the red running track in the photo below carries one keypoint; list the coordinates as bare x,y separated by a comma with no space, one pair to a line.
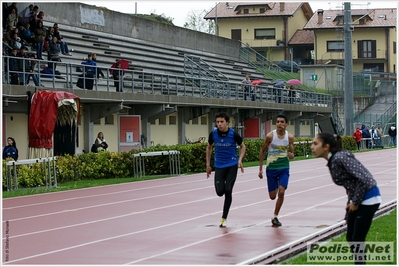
174,221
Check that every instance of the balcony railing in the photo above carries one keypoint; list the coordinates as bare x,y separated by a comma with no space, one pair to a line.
134,81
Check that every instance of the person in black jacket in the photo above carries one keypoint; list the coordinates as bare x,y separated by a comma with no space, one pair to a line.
13,67
53,53
392,134
117,74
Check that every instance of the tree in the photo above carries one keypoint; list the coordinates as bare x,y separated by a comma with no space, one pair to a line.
195,21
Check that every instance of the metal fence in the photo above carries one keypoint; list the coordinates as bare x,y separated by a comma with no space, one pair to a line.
67,75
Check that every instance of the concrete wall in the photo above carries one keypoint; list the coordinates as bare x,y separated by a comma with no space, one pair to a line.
101,19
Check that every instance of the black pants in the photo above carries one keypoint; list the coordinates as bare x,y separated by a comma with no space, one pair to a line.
359,223
224,183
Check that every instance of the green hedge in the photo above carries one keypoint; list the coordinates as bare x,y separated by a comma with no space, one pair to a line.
119,165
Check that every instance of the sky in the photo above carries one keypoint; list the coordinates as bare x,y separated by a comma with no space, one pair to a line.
178,10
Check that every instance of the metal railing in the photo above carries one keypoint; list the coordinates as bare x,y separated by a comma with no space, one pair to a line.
194,66
133,81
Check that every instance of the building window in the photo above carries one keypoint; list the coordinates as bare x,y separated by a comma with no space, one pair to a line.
265,34
172,120
194,121
162,121
97,122
262,10
109,120
153,122
204,120
246,11
394,47
366,49
335,46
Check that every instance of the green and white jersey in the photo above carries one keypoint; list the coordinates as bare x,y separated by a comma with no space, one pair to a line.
277,155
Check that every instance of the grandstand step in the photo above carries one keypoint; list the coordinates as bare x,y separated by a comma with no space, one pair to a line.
101,45
112,53
89,37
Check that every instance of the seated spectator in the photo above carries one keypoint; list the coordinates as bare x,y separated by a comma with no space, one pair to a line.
53,53
86,80
63,45
40,35
50,34
15,42
9,34
27,35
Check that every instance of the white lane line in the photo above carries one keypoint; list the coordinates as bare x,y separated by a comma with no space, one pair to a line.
151,187
156,228
151,197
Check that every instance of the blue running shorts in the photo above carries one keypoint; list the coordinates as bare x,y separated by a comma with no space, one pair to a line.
275,178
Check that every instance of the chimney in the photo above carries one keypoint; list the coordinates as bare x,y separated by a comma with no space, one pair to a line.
320,16
282,6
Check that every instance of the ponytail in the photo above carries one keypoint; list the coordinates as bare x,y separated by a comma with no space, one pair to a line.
334,140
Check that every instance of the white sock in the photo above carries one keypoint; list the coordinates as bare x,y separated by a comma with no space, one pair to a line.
275,216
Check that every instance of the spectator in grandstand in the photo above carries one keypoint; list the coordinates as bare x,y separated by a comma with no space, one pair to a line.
39,17
33,71
40,35
4,14
49,38
10,150
13,67
53,53
99,71
247,86
12,18
392,135
11,7
86,80
63,45
33,18
117,74
357,135
291,94
8,34
15,42
26,13
23,65
27,34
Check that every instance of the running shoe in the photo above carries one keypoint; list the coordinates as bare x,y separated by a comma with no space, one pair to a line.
222,223
276,222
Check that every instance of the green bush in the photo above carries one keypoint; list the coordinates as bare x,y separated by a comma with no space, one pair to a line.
120,165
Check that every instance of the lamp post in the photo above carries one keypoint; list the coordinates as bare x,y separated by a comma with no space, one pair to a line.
348,70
